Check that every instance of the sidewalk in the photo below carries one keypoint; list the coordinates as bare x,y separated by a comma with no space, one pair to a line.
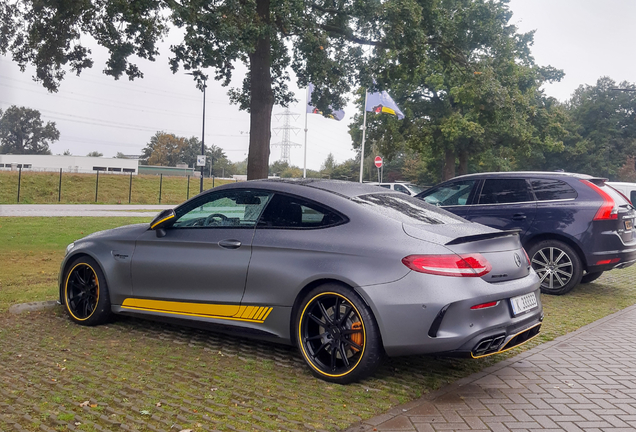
582,381
54,210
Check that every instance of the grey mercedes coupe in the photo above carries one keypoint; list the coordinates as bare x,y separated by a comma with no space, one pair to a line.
347,272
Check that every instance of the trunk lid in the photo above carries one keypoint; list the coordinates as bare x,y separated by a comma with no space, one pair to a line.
502,249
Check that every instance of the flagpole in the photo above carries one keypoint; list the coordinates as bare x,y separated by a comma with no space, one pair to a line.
364,130
305,163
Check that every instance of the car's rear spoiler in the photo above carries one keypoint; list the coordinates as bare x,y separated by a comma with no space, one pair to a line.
478,237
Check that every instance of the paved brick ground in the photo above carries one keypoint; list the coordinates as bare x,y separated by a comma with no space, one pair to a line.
583,381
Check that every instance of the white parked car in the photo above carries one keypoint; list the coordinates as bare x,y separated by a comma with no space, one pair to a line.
627,189
407,188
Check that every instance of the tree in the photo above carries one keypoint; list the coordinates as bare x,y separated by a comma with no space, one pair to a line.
461,112
328,165
215,162
95,154
22,131
320,40
169,150
278,167
602,129
164,150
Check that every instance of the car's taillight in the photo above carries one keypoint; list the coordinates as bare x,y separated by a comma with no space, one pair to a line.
485,305
468,265
609,209
527,257
608,261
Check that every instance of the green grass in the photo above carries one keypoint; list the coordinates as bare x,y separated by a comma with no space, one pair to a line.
32,248
48,366
43,188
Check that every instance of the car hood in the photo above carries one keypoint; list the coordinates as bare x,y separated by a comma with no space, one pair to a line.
126,232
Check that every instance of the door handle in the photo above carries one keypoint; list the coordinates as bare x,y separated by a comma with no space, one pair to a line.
518,216
230,244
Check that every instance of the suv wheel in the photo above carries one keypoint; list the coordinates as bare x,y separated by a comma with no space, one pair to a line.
558,266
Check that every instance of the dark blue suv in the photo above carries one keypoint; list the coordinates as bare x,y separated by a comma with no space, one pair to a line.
573,226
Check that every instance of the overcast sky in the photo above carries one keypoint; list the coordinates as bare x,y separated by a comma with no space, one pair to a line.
587,39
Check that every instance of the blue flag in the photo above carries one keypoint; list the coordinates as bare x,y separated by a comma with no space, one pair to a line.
336,115
382,103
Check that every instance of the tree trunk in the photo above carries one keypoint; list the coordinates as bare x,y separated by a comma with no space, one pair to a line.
463,162
449,165
262,100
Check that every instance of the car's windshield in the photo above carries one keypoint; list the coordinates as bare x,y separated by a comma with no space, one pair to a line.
407,209
415,189
455,193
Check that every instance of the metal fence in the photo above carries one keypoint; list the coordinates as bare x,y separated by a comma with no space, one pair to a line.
156,182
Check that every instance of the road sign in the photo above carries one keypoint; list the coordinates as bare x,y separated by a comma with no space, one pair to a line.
200,160
378,161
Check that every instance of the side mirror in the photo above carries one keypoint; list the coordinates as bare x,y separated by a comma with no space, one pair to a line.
163,220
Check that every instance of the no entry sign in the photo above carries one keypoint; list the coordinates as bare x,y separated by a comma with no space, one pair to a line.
378,161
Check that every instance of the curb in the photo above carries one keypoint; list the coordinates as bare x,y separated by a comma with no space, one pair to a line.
369,424
32,306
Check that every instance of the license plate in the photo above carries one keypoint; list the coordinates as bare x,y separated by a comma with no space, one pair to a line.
523,303
629,224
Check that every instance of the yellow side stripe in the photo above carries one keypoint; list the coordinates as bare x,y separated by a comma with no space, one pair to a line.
261,313
267,314
228,312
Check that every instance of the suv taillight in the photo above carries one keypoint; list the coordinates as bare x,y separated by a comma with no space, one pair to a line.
609,209
467,265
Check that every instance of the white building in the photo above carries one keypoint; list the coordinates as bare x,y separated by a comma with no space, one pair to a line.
69,164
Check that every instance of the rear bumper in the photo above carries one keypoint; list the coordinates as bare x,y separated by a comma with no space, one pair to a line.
609,260
608,246
409,313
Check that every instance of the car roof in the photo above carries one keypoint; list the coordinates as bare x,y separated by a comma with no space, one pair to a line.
526,174
343,188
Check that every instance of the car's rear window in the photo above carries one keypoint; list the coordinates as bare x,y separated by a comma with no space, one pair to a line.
551,189
407,209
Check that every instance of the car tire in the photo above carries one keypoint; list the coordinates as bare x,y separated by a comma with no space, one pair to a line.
558,266
337,335
85,293
591,277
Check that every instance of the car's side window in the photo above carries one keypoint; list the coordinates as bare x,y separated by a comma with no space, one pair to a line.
453,194
505,191
551,189
284,211
401,188
231,208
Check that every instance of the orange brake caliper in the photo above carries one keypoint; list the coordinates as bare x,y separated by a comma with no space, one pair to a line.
356,338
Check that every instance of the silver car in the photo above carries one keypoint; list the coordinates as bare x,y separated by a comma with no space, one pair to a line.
344,271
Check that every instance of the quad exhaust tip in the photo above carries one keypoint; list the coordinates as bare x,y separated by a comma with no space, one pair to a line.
500,342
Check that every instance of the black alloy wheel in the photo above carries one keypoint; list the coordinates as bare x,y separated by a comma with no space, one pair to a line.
558,266
85,293
337,335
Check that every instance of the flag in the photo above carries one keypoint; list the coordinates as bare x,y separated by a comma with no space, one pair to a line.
382,103
336,115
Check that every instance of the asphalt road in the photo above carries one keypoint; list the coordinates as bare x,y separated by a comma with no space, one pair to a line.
54,210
